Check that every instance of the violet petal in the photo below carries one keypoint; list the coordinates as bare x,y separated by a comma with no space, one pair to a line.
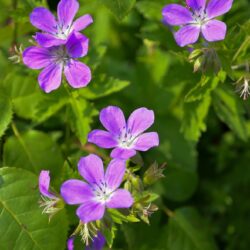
214,30
77,45
188,34
50,78
121,198
123,153
102,139
218,7
115,173
196,4
112,118
44,182
98,243
91,169
66,11
76,192
146,141
36,57
82,22
175,14
43,19
90,211
140,120
77,74
48,40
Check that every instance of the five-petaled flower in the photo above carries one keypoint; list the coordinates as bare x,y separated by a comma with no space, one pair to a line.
101,191
58,59
56,32
198,17
125,137
50,201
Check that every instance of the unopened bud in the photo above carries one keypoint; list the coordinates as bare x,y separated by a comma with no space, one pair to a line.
205,60
153,173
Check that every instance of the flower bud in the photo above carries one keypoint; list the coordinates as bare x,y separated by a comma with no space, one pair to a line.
153,173
205,59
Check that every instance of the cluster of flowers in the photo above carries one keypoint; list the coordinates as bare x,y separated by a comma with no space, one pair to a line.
59,46
101,189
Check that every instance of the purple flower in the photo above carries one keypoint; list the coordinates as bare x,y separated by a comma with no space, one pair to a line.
58,59
50,202
101,191
198,17
98,243
125,137
70,243
44,182
56,32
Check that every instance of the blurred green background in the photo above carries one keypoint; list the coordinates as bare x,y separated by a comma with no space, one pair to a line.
203,125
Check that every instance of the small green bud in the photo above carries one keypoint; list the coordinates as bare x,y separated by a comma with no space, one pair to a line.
153,173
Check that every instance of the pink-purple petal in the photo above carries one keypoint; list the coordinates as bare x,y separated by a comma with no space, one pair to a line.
44,182
50,78
188,34
218,7
77,74
36,57
214,30
98,243
70,243
76,192
122,153
121,198
140,120
90,211
77,45
102,139
175,14
112,118
43,19
66,11
91,169
146,141
82,22
196,5
115,173
48,40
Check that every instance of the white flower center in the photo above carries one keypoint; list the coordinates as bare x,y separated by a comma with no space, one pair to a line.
102,192
62,31
200,17
126,139
60,55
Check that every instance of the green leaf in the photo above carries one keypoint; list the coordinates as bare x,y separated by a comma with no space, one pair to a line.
194,118
151,9
118,217
33,151
50,104
81,113
23,226
24,92
6,112
120,8
109,234
187,230
230,110
180,179
103,86
204,87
